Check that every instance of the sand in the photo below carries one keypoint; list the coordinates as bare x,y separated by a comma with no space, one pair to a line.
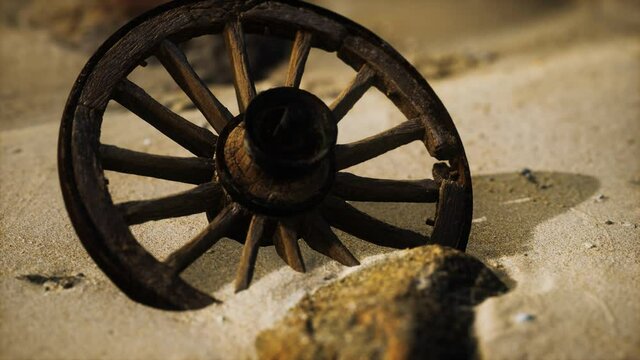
558,94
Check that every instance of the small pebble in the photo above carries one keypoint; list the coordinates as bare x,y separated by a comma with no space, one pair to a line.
524,318
589,245
528,174
600,198
628,224
517,201
608,222
479,220
329,277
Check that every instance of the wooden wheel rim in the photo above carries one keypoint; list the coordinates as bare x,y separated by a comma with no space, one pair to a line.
100,226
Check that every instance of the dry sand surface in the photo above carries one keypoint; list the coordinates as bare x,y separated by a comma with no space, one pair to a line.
551,88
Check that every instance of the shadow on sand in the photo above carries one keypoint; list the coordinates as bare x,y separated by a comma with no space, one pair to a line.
507,208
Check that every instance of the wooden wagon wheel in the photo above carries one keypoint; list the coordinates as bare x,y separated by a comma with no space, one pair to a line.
274,171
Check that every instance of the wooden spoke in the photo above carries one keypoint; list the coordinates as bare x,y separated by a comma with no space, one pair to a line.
355,153
299,55
185,256
321,238
245,89
187,170
199,141
345,217
350,96
286,242
250,253
176,63
202,198
355,188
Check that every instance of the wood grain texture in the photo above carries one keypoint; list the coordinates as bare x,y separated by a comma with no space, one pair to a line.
348,155
187,170
198,200
250,252
217,228
320,237
199,141
288,18
136,271
408,90
299,54
245,88
176,63
286,242
441,171
354,92
252,180
356,188
347,218
450,216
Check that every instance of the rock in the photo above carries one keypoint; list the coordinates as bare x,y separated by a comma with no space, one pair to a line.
600,198
53,282
479,220
418,305
524,318
528,174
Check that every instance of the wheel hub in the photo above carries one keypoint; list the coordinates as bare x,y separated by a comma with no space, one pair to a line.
278,157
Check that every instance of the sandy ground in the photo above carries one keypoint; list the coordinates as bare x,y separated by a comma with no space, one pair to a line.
556,90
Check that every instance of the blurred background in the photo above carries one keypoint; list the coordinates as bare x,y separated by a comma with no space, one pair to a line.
45,43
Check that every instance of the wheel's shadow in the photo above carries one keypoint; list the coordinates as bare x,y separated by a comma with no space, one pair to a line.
507,208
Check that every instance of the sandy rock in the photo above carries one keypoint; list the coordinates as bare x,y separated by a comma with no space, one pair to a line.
420,305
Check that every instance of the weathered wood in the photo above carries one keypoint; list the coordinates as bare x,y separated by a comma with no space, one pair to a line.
176,63
356,89
286,242
102,228
186,255
250,253
187,170
264,191
441,172
288,17
199,141
440,143
320,237
450,216
408,90
345,217
245,88
356,188
198,200
357,152
113,246
299,54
